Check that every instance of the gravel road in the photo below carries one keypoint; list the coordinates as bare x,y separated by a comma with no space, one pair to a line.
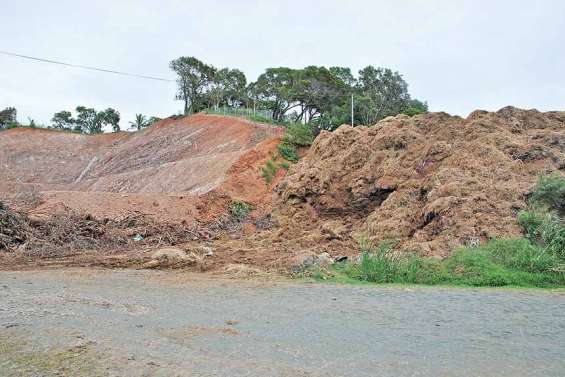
86,322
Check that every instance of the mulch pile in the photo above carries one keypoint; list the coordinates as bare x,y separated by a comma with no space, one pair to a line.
429,183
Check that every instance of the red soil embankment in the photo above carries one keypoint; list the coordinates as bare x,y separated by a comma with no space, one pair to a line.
162,171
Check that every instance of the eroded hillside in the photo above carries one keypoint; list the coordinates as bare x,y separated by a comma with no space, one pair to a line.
159,171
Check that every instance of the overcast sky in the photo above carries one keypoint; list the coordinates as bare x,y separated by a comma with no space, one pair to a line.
457,55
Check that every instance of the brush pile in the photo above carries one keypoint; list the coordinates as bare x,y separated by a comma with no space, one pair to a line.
68,233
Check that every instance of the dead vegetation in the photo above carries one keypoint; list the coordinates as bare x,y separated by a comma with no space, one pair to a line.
65,234
430,183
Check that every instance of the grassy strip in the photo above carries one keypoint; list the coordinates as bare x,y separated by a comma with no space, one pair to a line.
512,262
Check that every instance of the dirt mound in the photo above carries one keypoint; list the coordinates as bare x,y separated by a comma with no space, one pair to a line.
163,171
430,182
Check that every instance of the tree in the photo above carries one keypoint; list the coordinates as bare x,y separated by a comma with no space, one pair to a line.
88,120
110,117
386,91
415,107
140,122
228,88
8,117
277,91
344,74
63,120
319,92
194,81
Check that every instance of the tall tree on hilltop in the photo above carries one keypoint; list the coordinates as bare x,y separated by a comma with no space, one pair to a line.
277,91
386,91
228,88
194,80
8,117
112,118
63,120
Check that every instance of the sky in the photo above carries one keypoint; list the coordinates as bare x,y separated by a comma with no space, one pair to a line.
456,55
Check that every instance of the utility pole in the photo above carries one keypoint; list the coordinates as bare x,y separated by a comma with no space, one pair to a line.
352,110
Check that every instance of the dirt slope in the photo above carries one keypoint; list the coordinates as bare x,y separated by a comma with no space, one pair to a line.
430,182
159,171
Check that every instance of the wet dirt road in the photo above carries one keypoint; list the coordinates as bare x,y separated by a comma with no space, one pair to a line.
80,322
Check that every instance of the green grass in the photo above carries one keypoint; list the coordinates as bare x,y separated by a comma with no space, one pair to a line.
512,262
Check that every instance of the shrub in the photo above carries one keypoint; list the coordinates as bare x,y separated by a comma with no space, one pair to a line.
269,171
531,222
299,134
288,151
550,193
544,229
515,262
519,254
411,111
239,210
552,233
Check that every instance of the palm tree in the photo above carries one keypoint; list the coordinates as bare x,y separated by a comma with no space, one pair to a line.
139,122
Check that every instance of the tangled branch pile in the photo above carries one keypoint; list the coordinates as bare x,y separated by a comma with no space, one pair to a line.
14,228
71,232
64,234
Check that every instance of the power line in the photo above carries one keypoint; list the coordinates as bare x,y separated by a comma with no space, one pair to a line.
86,67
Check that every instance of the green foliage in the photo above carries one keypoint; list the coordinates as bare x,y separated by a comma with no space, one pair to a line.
545,229
140,122
299,134
88,120
269,171
550,193
288,151
514,262
194,78
32,123
228,88
386,93
544,224
531,222
284,165
415,107
317,95
63,120
112,118
8,117
239,210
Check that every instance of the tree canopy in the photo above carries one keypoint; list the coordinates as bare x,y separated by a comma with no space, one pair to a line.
8,117
87,120
194,81
315,94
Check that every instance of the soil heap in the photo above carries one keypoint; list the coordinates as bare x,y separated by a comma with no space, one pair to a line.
429,183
